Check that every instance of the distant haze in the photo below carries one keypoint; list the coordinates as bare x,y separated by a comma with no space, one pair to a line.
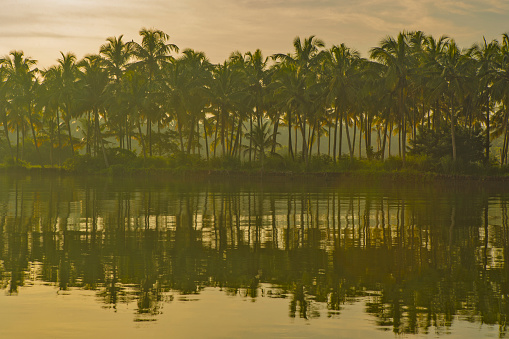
218,27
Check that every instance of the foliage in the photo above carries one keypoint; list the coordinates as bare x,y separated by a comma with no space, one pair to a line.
176,110
436,144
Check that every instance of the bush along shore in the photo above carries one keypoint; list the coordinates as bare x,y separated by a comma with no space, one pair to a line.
122,163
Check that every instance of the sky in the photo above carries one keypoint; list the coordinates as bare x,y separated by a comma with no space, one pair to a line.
44,28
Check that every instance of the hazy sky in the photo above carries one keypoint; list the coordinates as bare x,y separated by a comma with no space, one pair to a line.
43,28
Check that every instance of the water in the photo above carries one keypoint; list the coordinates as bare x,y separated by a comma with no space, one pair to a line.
216,258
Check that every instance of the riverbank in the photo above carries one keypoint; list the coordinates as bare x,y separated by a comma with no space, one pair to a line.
399,175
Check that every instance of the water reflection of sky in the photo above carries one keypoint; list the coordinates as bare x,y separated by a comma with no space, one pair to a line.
301,263
41,311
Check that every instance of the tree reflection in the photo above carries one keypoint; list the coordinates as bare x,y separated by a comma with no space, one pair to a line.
420,258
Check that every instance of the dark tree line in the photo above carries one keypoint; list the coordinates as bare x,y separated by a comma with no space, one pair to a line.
161,101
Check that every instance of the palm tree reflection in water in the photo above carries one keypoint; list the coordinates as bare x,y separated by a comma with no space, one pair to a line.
418,260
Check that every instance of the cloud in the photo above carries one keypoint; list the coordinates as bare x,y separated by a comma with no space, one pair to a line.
221,26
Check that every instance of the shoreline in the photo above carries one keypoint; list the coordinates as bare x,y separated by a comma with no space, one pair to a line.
162,173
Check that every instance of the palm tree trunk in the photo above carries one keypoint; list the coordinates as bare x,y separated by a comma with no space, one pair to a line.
350,148
274,135
17,141
197,144
399,140
142,141
251,133
311,138
215,137
205,136
402,114
360,136
290,145
503,153
390,140
304,141
33,132
149,135
223,122
6,131
51,139
385,138
453,135
503,157
329,140
335,135
237,138
296,139
487,130
231,143
354,137
68,123
340,151
88,147
98,136
58,135
127,135
97,132
181,137
190,140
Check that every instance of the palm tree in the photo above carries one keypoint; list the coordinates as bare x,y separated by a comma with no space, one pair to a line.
152,55
432,51
260,140
116,56
188,82
134,88
303,64
486,54
395,55
93,81
4,106
258,78
500,91
341,65
227,91
450,81
21,81
69,90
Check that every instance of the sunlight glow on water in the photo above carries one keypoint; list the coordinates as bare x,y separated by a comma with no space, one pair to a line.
93,259
210,314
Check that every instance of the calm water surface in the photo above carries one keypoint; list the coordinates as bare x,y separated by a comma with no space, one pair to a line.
96,257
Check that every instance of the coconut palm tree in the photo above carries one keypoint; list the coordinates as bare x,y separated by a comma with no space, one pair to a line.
93,82
304,63
432,51
4,107
500,91
69,91
227,91
260,140
21,82
152,55
396,56
342,74
486,55
258,78
134,99
188,84
452,83
116,55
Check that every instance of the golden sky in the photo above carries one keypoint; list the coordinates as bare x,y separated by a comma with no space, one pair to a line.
43,28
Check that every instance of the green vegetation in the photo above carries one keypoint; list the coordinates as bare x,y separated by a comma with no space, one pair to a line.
144,105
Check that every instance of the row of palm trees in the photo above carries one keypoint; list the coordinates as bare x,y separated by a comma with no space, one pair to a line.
168,102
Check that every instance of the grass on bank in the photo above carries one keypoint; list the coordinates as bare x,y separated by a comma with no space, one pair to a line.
123,162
